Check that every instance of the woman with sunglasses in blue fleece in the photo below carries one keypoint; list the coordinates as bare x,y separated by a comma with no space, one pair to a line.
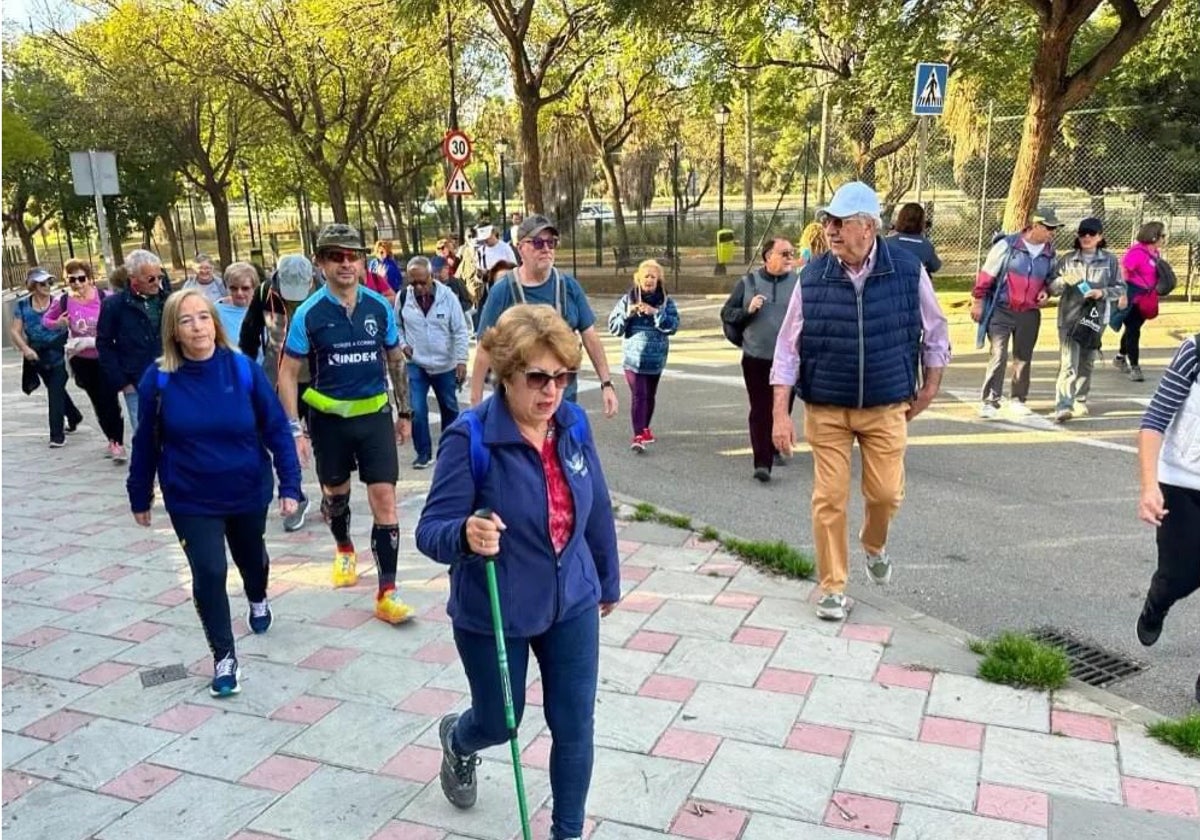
529,456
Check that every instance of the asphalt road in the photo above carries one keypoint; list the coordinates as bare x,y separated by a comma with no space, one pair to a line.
1005,525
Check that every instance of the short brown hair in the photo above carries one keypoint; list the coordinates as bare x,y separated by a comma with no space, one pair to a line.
1150,232
72,266
910,218
523,332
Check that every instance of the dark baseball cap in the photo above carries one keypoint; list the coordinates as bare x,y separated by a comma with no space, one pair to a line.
1045,216
1090,225
534,225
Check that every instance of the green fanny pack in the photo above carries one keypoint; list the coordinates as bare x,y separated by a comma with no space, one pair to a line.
344,408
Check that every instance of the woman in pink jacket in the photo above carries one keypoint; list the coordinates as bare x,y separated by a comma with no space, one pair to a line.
78,310
1140,267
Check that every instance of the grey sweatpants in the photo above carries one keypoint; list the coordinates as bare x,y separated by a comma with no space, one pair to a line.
1022,328
1074,373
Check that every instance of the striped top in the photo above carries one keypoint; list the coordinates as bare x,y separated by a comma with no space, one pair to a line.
1173,388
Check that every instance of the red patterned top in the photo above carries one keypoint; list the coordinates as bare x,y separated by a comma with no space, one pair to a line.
562,505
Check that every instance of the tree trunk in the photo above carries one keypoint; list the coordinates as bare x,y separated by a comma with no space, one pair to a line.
614,190
27,243
1037,138
168,223
337,198
220,206
531,169
114,236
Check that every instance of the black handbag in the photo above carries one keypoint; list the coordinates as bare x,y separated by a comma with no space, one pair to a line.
1089,329
29,377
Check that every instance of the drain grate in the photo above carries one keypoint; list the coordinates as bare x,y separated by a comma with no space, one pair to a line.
1089,663
158,676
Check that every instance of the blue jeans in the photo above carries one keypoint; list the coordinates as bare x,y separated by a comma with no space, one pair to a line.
444,390
131,407
569,657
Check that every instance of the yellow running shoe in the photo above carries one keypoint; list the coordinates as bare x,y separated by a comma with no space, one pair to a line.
345,568
389,608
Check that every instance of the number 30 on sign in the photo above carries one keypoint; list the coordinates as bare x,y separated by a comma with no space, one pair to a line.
456,147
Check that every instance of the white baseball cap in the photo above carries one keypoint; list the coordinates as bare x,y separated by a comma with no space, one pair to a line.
852,198
295,275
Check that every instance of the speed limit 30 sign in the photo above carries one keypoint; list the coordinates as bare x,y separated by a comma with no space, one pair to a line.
456,147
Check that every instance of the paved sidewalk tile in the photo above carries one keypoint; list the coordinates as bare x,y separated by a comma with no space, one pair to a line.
280,773
644,791
805,650
1164,797
696,747
1005,803
227,746
97,753
866,706
767,827
708,821
952,733
862,813
494,816
681,587
63,813
1072,819
968,698
909,771
350,805
667,688
1052,764
1145,758
1088,727
922,823
380,732
625,670
17,785
782,782
721,662
625,722
31,698
743,714
140,782
72,654
194,808
822,740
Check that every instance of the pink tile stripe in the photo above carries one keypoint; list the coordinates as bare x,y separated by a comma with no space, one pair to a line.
140,782
346,618
533,693
17,785
104,673
57,726
540,825
305,709
708,821
663,687
627,547
416,764
1014,804
862,813
653,642
1164,797
952,733
407,831
438,653
758,637
785,682
26,577
866,632
718,569
738,600
173,597
637,574
537,754
183,718
118,571
38,637
434,702
822,740
901,677
330,658
696,747
1078,725
140,631
280,773
635,602
253,835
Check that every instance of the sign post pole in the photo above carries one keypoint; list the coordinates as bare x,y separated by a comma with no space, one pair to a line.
101,215
928,100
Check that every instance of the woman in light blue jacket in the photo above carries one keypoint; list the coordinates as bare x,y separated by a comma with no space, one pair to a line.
645,318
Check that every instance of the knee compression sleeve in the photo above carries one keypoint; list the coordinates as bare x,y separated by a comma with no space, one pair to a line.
336,510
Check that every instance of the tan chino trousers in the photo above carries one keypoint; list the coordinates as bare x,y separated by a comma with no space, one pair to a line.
882,435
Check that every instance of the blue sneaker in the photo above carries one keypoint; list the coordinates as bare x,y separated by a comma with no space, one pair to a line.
260,617
225,677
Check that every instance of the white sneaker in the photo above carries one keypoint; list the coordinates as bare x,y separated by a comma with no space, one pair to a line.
833,606
987,411
1080,410
1017,408
1061,415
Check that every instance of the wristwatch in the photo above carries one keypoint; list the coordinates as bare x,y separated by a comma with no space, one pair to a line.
607,383
404,415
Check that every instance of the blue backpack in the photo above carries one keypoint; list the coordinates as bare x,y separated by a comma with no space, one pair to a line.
481,454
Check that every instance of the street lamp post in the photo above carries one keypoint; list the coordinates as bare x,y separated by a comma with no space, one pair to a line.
501,151
722,119
245,170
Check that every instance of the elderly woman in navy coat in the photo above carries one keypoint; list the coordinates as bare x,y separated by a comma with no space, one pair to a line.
529,457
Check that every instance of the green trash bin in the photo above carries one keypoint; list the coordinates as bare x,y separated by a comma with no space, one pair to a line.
725,246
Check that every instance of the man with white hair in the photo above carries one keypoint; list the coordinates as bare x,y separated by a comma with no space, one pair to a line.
859,319
128,337
492,249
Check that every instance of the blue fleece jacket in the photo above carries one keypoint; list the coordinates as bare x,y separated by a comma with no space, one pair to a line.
214,441
537,587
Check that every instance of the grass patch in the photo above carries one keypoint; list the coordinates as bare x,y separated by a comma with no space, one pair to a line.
777,556
676,521
1183,734
1016,659
710,534
978,646
645,512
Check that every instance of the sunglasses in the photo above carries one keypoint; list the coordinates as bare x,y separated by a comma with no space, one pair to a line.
787,255
341,257
1089,233
825,220
241,288
538,379
74,279
544,244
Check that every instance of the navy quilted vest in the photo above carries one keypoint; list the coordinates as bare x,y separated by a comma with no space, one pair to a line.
862,350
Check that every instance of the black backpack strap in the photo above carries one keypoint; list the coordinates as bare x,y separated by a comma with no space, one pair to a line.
62,302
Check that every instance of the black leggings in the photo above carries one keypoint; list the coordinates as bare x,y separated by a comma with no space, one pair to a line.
90,378
203,540
1131,336
1178,573
61,408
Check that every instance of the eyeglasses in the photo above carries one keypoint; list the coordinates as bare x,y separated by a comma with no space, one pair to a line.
340,257
241,288
542,244
74,279
825,220
787,255
538,379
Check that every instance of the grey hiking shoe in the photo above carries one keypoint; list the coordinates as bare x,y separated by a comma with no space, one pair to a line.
295,521
1135,374
1120,363
458,771
832,606
879,568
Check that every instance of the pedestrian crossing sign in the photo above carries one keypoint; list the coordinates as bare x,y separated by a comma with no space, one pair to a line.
929,89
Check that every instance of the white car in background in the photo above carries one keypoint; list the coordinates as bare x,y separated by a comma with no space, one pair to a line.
589,211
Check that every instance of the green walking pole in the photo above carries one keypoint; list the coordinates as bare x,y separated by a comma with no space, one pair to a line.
510,712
